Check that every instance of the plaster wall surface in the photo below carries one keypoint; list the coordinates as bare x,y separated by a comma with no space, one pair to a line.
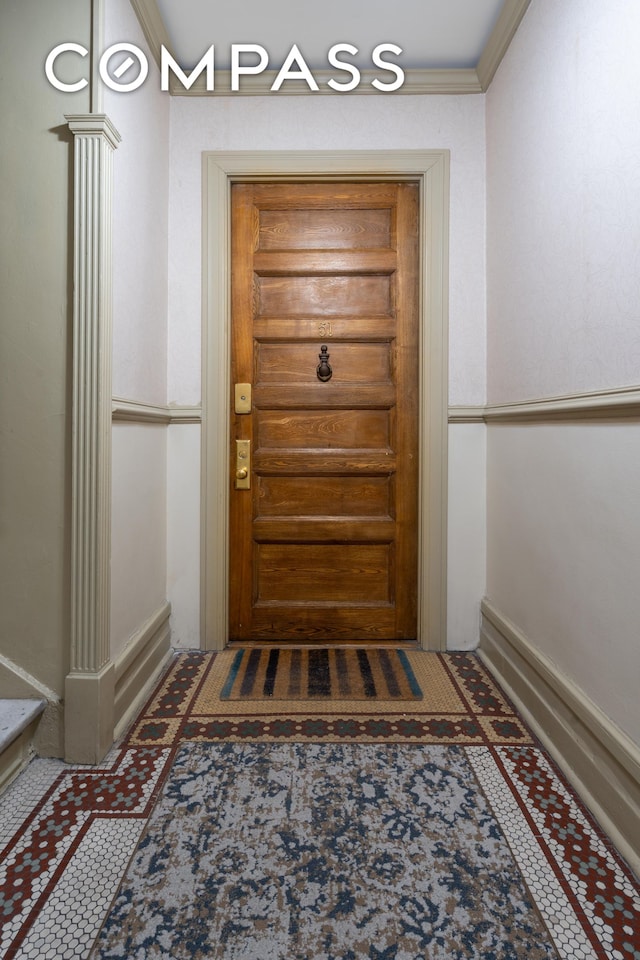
563,189
340,123
140,291
563,565
563,194
140,222
326,123
139,528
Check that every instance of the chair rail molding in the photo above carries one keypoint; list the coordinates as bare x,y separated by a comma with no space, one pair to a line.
618,403
470,414
89,686
137,411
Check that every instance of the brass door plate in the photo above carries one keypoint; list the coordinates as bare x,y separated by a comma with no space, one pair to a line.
243,398
243,464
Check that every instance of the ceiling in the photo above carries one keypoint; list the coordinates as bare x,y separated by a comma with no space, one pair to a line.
445,44
431,33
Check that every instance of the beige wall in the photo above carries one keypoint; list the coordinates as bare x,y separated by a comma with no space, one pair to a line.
36,154
563,200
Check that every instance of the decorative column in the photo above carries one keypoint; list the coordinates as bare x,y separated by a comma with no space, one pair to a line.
89,688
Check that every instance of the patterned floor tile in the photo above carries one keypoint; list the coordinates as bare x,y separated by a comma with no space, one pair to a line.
552,899
70,920
461,704
24,794
67,832
43,846
603,888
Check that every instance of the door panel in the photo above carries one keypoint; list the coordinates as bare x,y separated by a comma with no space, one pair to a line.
323,544
322,296
359,363
344,429
349,497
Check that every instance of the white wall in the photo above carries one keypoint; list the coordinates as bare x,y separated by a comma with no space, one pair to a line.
140,228
563,142
183,533
138,538
325,123
467,534
563,189
353,122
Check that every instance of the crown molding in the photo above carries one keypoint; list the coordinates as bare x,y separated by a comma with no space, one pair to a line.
501,36
417,82
152,25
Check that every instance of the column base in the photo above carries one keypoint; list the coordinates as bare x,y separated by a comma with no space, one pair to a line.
88,715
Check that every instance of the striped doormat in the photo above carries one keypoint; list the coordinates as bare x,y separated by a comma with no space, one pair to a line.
338,674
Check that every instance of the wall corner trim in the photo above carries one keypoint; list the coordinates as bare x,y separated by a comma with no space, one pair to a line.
598,758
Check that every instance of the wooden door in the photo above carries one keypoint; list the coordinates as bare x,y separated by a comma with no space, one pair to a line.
323,544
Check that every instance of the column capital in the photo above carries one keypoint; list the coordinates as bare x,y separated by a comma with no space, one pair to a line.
93,124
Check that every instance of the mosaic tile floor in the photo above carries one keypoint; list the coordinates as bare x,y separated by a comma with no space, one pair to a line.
67,833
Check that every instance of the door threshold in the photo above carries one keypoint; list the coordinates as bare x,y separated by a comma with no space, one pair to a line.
322,644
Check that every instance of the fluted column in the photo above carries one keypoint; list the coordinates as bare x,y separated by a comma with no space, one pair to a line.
89,689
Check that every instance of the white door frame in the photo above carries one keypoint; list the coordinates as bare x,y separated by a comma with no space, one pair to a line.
431,169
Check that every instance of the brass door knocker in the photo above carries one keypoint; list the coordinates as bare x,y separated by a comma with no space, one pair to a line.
323,369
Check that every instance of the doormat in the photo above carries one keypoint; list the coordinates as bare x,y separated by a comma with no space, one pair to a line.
347,851
333,674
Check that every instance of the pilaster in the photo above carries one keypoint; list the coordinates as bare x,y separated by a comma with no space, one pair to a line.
89,689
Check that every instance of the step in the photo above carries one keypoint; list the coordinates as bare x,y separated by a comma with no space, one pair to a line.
18,721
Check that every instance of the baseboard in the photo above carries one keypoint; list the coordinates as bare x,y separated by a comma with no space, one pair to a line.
139,665
600,761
